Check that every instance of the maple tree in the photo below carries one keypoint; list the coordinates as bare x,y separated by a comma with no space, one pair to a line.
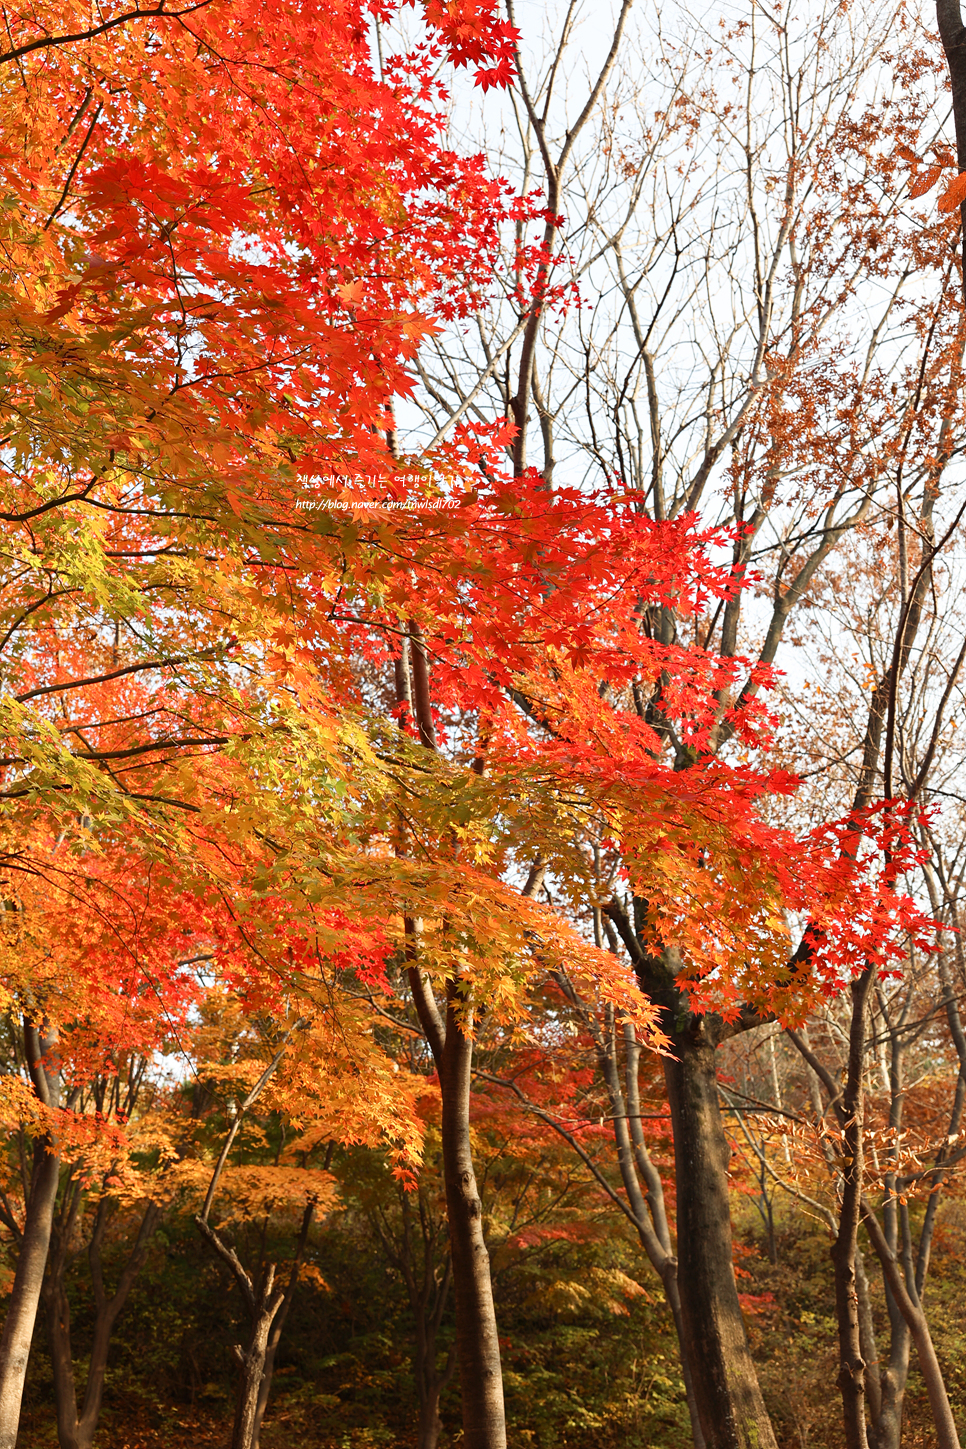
160,384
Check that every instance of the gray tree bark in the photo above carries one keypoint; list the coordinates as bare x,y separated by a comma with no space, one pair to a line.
18,1328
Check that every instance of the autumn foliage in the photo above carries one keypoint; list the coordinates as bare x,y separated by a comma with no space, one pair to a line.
305,738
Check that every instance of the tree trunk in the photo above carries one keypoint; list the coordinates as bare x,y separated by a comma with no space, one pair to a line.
18,1327
950,19
642,1181
266,1305
428,1293
252,1363
265,1386
275,1335
888,1422
887,1417
430,1424
851,1376
61,1360
262,1302
477,1341
870,1353
729,1401
451,1042
673,1295
714,1342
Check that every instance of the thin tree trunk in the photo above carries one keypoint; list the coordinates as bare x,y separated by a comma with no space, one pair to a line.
884,1387
477,1340
265,1385
893,1379
729,1400
870,1353
262,1302
18,1327
635,1165
275,1335
430,1424
851,1376
950,20
261,1298
57,1307
887,1418
61,1359
451,1042
673,1295
911,1308
714,1341
251,1363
